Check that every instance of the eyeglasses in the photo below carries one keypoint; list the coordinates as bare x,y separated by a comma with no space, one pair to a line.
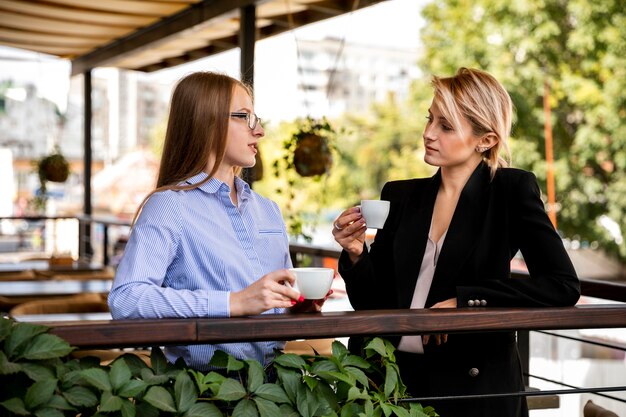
251,118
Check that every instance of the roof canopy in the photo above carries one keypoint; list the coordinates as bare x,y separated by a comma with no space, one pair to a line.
149,35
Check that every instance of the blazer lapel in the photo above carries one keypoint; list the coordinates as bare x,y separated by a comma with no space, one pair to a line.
410,243
462,235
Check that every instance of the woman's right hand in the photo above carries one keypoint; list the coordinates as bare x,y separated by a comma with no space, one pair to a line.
269,291
349,231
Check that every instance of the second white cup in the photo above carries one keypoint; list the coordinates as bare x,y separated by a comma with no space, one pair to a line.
375,212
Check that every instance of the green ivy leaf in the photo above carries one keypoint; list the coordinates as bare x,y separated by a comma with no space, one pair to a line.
358,374
352,409
35,371
80,397
7,367
160,398
158,361
290,380
219,359
110,402
306,402
400,411
203,410
290,360
391,380
135,364
245,408
119,374
327,399
46,346
184,392
323,365
5,327
151,379
231,390
132,388
377,345
212,381
256,375
339,350
20,335
267,408
39,393
310,382
387,410
338,376
356,361
48,412
144,409
416,410
15,406
97,378
356,394
128,409
272,392
288,411
60,403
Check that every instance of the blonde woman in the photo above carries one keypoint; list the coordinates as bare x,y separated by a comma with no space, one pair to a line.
204,244
448,243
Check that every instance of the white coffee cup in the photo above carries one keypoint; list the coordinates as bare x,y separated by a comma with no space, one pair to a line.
313,283
375,212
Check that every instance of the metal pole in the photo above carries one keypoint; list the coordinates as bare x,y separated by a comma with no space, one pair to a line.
247,39
85,248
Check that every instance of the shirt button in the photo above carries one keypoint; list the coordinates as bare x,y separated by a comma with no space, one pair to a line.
470,303
474,372
483,302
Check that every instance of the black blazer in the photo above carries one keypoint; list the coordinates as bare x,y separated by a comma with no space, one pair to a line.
494,218
492,221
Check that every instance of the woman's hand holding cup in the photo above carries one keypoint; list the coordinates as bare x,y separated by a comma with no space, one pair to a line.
349,231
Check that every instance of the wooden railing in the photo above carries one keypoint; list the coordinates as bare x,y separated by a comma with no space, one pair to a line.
128,333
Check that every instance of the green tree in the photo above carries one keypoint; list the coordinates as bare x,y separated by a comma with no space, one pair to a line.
579,48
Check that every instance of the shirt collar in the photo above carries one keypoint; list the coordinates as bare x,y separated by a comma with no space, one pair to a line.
213,185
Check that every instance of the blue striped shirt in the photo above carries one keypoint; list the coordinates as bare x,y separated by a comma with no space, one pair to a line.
189,249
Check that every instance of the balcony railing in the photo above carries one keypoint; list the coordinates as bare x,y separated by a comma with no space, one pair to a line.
543,321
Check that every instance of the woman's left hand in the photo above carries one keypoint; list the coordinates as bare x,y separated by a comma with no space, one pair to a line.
440,338
310,306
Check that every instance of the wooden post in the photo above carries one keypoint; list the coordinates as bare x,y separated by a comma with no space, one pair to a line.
549,153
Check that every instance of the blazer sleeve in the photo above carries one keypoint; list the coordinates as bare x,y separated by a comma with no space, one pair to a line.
552,280
369,282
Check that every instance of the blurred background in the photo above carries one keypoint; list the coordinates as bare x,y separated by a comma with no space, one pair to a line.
364,78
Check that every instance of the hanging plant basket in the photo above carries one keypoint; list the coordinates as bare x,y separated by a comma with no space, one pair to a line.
311,147
312,156
53,167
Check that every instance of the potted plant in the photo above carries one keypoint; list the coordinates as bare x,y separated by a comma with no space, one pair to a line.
39,378
307,159
310,147
54,168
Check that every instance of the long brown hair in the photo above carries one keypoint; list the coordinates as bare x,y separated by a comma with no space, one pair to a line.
197,129
477,96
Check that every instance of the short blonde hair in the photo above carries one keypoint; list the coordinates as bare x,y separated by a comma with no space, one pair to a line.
478,97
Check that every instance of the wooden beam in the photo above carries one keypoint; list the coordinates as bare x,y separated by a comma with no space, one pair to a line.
158,32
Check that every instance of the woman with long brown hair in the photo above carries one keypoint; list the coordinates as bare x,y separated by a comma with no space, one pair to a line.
203,243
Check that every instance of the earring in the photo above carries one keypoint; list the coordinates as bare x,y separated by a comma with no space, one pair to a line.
481,149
